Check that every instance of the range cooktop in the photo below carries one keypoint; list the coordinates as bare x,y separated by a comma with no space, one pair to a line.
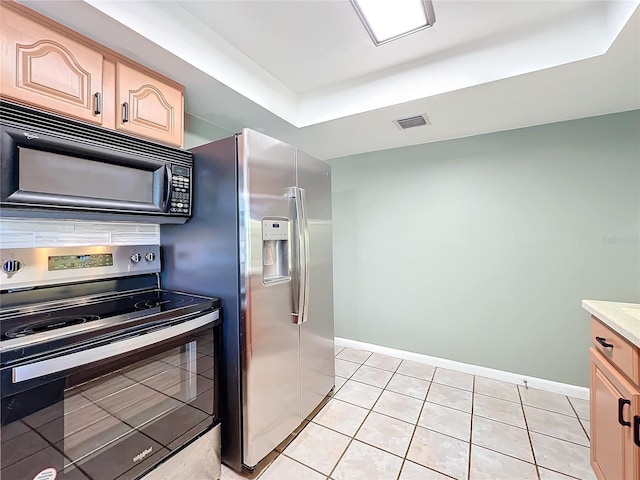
47,326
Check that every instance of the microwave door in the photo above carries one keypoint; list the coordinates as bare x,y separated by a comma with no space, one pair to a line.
55,173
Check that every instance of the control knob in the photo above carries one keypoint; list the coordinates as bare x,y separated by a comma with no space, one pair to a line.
150,257
135,258
11,266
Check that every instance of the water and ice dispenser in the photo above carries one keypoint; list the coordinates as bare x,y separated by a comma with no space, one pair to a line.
275,250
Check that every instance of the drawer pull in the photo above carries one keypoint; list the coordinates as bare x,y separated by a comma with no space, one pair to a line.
125,112
636,430
603,341
621,403
98,103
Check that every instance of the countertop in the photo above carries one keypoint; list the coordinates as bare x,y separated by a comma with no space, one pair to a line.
623,318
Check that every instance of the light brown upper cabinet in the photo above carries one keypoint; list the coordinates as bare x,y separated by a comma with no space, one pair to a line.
46,65
43,67
148,106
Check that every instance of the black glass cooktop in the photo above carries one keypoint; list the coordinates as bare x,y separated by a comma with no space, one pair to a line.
127,307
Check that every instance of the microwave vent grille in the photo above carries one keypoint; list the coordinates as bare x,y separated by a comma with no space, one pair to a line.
37,121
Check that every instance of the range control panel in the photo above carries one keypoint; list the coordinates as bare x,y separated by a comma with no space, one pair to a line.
64,262
31,267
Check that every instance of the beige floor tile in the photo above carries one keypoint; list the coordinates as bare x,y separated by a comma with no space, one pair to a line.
318,447
386,433
502,438
440,452
410,386
546,400
498,389
228,474
489,465
346,369
446,420
499,410
358,394
413,471
549,475
450,397
284,468
341,416
339,383
372,376
398,406
364,462
353,355
418,370
453,379
555,425
384,362
581,407
337,349
561,456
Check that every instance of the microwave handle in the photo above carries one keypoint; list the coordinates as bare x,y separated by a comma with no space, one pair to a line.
167,190
78,359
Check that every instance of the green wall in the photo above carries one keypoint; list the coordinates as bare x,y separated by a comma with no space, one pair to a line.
480,249
198,131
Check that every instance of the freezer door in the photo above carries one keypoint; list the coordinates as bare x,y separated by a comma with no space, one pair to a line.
317,367
271,389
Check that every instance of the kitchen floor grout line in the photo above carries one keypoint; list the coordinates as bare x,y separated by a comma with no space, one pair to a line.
473,399
533,452
579,420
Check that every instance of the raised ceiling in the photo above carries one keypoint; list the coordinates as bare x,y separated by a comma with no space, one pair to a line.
308,73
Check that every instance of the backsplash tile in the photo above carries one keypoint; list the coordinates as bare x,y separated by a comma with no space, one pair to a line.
26,233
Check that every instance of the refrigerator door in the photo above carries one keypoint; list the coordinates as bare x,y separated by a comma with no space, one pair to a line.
317,369
270,376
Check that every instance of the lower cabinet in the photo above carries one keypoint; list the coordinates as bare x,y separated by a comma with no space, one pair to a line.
615,422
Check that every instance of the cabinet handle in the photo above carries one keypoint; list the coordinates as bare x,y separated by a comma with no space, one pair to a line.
636,430
98,103
603,341
621,403
125,112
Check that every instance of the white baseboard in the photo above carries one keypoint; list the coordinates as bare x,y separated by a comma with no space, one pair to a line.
531,382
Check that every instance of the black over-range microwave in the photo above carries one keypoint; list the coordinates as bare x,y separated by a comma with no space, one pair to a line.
54,164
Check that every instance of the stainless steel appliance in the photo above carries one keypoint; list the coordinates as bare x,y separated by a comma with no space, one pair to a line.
101,379
57,165
260,239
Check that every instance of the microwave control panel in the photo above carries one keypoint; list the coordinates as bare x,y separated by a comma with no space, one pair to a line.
180,189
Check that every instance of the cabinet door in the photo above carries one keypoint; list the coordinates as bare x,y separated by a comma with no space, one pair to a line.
45,68
614,402
148,107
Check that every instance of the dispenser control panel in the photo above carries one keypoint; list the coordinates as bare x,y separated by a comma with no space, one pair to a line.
275,229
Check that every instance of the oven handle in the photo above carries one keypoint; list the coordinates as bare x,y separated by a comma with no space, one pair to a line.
72,360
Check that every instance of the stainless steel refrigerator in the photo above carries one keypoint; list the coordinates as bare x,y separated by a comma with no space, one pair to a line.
260,239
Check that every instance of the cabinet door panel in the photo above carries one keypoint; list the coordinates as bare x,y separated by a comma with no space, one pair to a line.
46,68
148,107
613,453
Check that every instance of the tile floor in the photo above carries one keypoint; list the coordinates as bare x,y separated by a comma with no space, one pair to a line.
394,419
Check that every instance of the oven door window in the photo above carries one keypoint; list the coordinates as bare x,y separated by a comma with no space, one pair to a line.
115,419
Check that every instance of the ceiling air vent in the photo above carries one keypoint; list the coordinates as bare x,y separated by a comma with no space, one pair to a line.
411,122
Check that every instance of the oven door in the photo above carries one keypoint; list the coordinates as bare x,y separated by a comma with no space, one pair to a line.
112,409
45,171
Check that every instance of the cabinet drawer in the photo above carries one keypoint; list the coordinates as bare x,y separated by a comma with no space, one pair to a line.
622,354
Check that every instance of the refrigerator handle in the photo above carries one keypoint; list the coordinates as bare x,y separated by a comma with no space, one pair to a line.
304,256
298,276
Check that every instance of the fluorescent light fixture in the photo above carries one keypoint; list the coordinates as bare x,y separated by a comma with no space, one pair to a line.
386,20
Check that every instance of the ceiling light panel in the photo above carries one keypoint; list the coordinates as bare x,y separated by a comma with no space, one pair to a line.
387,20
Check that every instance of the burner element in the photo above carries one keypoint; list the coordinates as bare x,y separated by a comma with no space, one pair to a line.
162,301
48,324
